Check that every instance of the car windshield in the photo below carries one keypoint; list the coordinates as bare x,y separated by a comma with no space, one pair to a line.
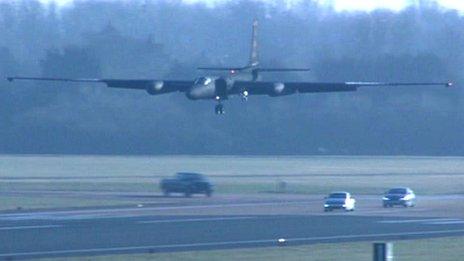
189,176
337,195
397,191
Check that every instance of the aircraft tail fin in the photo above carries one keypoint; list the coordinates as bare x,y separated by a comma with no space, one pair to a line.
253,63
254,55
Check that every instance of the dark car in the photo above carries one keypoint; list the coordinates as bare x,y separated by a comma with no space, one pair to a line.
399,196
187,183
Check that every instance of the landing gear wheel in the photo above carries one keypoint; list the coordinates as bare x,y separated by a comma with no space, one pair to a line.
219,109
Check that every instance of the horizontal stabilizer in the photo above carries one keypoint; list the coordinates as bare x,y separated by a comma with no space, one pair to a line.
221,68
283,69
257,69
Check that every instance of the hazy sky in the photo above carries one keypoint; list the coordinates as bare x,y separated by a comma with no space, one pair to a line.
339,5
159,42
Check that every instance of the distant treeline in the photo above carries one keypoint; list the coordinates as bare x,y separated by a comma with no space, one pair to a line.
169,39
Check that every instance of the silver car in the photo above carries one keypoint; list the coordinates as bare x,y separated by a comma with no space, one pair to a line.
399,196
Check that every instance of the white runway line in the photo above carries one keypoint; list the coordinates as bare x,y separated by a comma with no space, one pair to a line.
226,243
194,220
81,214
30,227
450,222
402,221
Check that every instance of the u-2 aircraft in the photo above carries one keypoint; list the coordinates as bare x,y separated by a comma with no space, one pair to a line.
241,81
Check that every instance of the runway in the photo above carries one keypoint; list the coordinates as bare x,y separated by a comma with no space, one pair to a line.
224,222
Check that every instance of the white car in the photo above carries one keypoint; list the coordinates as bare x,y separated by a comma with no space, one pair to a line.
339,200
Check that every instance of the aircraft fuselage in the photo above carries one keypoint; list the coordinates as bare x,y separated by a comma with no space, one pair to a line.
216,87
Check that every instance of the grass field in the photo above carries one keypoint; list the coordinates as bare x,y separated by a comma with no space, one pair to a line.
377,184
129,166
43,202
423,185
20,175
303,175
443,249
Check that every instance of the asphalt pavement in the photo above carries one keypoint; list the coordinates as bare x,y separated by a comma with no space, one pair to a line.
70,233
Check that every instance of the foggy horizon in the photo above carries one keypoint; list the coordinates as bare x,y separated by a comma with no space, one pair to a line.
169,40
337,5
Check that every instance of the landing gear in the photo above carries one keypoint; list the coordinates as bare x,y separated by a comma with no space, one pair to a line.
219,109
244,96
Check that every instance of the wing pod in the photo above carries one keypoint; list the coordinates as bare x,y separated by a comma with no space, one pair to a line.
155,87
281,89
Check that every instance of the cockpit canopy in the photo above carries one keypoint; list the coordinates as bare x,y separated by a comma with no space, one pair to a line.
202,81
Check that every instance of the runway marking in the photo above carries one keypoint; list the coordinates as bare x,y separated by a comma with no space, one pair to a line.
450,222
104,212
226,243
194,220
30,227
402,221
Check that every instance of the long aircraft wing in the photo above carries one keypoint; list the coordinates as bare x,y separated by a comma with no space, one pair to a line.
152,86
284,88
